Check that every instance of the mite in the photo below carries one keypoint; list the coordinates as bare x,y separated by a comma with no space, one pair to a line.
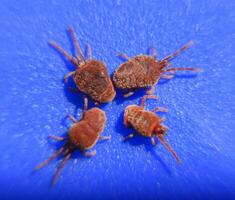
144,71
91,76
82,136
147,123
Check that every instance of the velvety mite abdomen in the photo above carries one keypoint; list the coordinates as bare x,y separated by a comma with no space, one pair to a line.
93,79
85,133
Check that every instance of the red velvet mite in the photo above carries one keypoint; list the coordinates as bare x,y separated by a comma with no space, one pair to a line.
82,136
147,123
91,76
144,71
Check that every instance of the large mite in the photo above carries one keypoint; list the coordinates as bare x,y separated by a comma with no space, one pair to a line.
147,123
144,71
91,76
82,136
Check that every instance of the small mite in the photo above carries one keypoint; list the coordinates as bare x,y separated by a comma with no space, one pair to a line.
91,76
147,123
144,71
82,136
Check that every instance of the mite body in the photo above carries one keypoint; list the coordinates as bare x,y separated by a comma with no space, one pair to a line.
147,123
144,71
91,76
82,136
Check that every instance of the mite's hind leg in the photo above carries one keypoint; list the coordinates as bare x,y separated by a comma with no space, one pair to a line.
123,56
73,60
144,98
129,136
72,118
68,75
160,109
128,94
89,52
89,154
154,52
55,137
108,137
151,90
76,44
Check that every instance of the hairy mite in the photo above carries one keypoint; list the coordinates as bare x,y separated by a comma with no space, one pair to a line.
144,71
147,123
91,76
82,136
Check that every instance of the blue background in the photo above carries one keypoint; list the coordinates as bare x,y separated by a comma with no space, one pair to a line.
34,101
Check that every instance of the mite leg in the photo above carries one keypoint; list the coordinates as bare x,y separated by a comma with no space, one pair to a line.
76,44
162,140
63,52
68,75
177,52
162,119
151,90
55,177
168,76
123,56
128,94
154,52
108,137
89,154
183,69
89,52
85,104
153,141
145,97
85,107
44,163
57,138
160,109
72,118
129,136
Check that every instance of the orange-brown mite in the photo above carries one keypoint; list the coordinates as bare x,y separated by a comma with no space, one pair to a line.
82,135
91,76
147,123
144,71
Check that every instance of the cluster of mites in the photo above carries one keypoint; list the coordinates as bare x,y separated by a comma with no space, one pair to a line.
92,78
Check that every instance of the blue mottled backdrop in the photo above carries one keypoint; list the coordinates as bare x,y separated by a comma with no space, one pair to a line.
34,101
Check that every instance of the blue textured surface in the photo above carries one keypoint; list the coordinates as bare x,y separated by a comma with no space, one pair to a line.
34,101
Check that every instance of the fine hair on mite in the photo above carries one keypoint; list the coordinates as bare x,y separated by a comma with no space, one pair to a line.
90,76
82,136
143,71
147,123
